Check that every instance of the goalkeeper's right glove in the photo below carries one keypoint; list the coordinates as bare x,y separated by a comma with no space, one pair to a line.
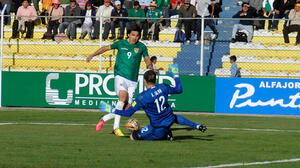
173,70
106,107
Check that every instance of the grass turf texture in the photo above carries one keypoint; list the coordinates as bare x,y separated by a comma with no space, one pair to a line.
26,145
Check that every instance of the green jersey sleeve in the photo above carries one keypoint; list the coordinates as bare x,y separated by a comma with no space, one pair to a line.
115,45
145,51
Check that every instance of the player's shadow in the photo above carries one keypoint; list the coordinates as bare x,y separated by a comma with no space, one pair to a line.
202,137
125,136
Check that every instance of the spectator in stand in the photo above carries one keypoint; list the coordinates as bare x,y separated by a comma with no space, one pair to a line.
294,25
216,8
36,5
163,6
128,4
26,15
256,6
244,24
71,21
188,11
104,11
154,24
171,11
7,20
81,4
16,5
97,3
268,10
46,5
144,4
55,17
202,10
234,71
118,11
135,13
88,21
153,60
282,9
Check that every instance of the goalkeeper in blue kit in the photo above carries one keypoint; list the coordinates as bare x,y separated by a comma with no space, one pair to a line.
155,103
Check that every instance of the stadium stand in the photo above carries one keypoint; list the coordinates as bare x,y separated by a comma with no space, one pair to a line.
266,56
46,55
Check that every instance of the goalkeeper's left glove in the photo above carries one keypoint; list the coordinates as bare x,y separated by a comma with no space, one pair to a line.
173,70
106,107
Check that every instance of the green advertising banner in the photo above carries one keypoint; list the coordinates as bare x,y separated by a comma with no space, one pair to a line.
85,90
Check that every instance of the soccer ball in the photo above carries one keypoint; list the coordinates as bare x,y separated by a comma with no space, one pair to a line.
132,124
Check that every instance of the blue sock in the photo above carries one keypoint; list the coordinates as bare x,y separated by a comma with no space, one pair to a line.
184,121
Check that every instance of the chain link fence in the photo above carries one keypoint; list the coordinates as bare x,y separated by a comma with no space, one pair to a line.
265,56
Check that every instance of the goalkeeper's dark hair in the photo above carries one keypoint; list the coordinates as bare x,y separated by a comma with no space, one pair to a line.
150,77
134,27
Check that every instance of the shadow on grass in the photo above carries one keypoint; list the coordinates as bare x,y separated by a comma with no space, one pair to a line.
202,138
126,136
182,128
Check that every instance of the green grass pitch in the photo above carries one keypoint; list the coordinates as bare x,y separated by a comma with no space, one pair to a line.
67,139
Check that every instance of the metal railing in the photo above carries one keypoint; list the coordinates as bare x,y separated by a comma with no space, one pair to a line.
266,56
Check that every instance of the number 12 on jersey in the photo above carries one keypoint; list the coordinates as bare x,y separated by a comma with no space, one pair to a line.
160,104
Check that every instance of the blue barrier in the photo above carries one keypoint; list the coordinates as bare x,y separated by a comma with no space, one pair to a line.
258,96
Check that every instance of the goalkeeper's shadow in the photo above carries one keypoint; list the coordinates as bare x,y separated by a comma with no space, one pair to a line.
202,136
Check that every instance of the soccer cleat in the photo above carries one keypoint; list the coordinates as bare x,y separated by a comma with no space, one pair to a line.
100,124
169,136
118,132
201,128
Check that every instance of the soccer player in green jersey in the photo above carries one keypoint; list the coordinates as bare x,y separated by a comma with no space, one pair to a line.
126,70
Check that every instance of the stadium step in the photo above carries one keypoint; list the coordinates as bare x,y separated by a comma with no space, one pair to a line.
263,52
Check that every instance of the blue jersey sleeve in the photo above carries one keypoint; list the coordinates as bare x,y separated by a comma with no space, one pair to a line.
177,89
136,105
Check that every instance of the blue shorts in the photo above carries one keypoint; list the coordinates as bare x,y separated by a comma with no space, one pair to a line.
151,133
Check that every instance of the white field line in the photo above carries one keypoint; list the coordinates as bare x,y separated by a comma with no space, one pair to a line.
41,123
86,124
254,129
252,163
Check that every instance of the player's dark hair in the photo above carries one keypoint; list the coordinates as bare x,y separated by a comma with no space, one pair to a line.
150,77
233,58
134,27
153,58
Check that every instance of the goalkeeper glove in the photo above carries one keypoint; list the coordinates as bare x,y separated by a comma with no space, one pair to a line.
106,107
173,70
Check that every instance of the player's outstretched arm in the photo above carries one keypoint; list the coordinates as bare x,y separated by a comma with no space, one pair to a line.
127,113
106,107
135,106
99,51
148,63
177,89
